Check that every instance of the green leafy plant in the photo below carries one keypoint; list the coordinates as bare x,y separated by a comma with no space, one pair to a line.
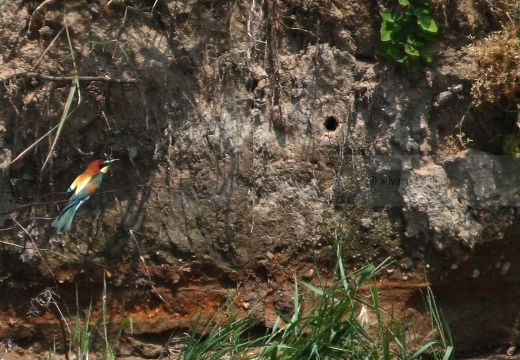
91,335
341,319
224,335
407,34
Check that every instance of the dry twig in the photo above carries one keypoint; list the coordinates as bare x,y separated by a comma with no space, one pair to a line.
68,78
146,267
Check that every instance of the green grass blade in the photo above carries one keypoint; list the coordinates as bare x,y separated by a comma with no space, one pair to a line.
423,349
66,111
34,144
448,354
312,288
64,117
339,259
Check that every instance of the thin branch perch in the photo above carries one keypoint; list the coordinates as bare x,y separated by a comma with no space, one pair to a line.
69,78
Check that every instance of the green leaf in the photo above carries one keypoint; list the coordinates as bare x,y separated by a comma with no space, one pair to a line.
398,34
407,19
366,273
427,36
449,352
411,50
386,31
413,41
312,288
398,55
383,50
422,11
511,145
427,23
387,16
404,2
423,349
426,54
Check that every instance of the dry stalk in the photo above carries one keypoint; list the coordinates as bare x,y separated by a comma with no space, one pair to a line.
146,267
39,75
47,49
35,248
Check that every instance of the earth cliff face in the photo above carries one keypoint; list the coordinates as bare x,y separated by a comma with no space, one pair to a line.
247,131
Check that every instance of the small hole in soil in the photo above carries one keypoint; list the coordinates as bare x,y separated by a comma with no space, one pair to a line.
331,123
251,84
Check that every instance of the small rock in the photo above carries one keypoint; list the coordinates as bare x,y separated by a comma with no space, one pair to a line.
5,159
457,88
308,274
442,98
46,31
406,264
511,350
94,9
258,73
366,223
155,63
505,268
132,152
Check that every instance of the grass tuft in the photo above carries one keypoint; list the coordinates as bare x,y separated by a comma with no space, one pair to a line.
344,320
90,336
498,61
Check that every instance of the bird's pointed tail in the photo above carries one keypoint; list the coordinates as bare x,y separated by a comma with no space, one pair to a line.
64,221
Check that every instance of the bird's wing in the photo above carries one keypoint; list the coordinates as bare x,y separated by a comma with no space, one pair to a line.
80,183
86,187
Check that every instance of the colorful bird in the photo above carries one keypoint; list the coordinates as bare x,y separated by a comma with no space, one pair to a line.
84,186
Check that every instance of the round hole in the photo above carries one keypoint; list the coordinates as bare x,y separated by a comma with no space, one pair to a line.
331,123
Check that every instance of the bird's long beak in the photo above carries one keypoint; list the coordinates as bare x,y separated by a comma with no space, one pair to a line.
110,161
106,164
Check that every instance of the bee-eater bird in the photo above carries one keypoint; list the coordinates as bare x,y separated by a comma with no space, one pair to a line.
84,186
